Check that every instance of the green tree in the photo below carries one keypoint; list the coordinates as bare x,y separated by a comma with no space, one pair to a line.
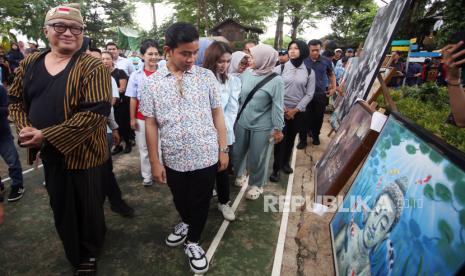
453,21
211,12
101,17
301,13
350,20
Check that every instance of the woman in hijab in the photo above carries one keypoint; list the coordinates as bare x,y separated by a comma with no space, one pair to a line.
260,121
240,61
299,87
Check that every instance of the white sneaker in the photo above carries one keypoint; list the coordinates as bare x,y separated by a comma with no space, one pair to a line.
178,236
147,183
215,193
241,180
197,259
227,211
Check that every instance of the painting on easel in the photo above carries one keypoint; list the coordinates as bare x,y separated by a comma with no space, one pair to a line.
346,151
377,43
405,211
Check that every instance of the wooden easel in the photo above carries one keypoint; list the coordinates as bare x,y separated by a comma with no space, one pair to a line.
386,79
386,95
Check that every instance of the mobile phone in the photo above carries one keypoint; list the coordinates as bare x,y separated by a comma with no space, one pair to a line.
456,38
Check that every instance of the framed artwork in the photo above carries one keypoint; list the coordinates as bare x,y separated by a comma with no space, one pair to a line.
378,41
405,211
346,151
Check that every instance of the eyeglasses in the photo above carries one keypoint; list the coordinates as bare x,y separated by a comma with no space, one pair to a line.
61,28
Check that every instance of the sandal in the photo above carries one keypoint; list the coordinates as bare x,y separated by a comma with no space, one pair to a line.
241,180
88,268
254,193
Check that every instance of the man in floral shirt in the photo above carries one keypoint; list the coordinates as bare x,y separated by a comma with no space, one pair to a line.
182,103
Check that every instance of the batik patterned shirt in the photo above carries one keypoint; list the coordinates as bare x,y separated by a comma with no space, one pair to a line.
183,111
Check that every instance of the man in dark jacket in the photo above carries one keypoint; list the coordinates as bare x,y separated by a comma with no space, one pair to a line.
8,150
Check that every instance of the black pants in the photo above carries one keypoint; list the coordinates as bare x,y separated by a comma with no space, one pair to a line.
222,184
314,116
112,190
283,149
76,198
192,192
122,118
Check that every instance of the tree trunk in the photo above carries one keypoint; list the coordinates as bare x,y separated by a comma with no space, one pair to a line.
296,21
205,13
154,14
278,38
199,7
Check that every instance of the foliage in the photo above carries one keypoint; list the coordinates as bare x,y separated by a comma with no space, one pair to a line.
101,17
270,41
428,106
301,14
453,20
208,13
350,20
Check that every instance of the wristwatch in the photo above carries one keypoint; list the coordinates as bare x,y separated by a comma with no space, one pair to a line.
224,150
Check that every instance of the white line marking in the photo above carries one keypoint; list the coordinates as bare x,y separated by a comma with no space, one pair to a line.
25,172
219,235
278,256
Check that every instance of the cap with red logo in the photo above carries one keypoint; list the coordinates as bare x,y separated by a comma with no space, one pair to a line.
66,11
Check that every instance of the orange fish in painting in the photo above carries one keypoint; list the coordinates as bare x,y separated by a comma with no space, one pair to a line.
423,181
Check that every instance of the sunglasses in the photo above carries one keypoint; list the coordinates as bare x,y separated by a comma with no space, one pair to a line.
61,28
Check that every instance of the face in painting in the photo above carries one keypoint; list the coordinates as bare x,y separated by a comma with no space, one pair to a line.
379,221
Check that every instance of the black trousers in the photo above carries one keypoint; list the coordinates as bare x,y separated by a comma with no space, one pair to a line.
192,192
283,149
222,184
76,198
122,118
112,190
314,115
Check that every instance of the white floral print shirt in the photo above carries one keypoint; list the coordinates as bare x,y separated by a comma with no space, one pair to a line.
183,111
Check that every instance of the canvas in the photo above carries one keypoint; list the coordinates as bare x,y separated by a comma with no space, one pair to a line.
345,152
376,44
408,208
350,72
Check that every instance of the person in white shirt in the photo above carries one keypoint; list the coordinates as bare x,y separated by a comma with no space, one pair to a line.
149,51
119,62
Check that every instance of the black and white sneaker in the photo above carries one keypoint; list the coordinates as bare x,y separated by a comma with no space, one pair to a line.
16,193
178,236
197,259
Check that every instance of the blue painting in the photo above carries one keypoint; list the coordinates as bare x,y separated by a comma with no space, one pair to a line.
405,211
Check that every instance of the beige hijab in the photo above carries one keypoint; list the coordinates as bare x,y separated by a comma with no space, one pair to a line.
265,58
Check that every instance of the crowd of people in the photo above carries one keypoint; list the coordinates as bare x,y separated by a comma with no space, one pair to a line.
199,116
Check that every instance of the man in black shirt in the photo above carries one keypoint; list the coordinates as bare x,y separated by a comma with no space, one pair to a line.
325,87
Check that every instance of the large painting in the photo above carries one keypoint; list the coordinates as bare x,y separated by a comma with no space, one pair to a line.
375,46
345,152
405,211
